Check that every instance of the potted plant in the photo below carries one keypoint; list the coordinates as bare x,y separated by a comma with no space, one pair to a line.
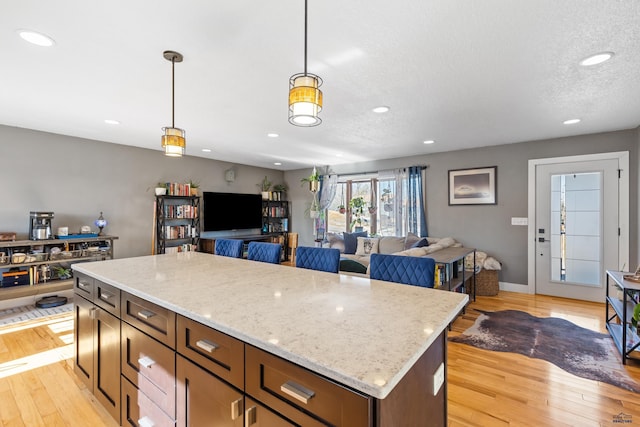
279,189
161,189
635,318
265,186
313,180
61,272
357,205
194,187
342,209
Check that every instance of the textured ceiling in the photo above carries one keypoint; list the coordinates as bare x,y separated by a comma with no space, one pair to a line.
462,72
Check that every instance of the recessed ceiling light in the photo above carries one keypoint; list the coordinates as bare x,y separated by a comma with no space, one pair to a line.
273,135
571,121
428,141
111,122
381,109
206,150
278,164
596,59
36,38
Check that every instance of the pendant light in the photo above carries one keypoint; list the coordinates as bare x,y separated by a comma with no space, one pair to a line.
305,97
173,140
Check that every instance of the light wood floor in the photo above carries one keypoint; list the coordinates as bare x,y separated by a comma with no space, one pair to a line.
38,387
489,388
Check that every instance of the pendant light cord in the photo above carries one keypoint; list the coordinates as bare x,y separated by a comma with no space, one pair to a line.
173,91
305,37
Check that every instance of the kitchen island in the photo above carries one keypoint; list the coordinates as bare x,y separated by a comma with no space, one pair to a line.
305,347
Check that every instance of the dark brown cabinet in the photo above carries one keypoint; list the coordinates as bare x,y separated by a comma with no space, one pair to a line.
204,400
256,415
97,347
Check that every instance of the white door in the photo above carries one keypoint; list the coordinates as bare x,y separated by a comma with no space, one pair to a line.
576,228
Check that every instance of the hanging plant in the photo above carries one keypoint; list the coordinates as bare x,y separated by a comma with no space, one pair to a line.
313,180
357,205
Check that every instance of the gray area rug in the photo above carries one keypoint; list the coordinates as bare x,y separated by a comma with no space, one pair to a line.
15,315
577,350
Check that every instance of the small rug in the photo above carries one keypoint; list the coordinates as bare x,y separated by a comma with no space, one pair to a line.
577,350
15,315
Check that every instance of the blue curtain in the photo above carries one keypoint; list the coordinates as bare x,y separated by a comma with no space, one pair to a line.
416,218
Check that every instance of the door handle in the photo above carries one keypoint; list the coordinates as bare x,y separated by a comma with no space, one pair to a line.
236,409
207,345
250,416
542,240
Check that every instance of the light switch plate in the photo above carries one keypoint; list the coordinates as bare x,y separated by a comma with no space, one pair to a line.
438,379
519,221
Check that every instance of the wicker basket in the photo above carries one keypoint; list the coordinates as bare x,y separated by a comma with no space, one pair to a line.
487,283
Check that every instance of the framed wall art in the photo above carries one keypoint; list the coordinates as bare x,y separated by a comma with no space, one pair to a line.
473,186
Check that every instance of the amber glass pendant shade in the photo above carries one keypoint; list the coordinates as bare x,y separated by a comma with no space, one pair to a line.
173,142
305,100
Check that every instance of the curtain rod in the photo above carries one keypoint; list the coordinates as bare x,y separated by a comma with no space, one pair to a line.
376,172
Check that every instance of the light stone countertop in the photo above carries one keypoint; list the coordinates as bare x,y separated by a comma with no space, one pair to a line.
359,332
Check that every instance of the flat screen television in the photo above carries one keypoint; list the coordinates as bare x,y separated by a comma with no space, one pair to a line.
231,211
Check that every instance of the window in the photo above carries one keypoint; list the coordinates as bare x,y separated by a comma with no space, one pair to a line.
384,208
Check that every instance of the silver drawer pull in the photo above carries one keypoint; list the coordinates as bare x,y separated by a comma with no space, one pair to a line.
105,295
297,391
207,345
236,409
146,361
146,314
146,422
83,285
250,416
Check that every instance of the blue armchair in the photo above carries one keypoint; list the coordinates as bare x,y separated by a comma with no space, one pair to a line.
321,259
264,252
229,247
417,271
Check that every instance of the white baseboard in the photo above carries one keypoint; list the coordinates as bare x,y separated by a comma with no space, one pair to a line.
31,299
515,287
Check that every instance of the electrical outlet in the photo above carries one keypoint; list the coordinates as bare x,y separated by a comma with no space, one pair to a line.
438,379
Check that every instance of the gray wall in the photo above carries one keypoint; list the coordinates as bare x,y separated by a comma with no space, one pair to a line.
489,228
77,178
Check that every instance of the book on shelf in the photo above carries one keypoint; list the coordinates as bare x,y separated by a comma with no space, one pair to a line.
180,211
178,189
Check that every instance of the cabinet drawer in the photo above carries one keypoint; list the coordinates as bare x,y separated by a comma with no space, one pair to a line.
217,352
150,366
150,318
139,411
287,388
107,297
83,285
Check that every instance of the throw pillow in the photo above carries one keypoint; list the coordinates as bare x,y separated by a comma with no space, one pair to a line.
367,246
421,243
336,241
391,244
410,240
351,242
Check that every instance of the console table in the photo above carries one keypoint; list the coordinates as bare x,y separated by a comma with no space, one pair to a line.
619,312
452,258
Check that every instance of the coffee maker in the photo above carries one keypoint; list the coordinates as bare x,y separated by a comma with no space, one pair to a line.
40,225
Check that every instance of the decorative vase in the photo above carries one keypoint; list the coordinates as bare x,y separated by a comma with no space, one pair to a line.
358,229
265,195
161,191
194,191
342,210
314,186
